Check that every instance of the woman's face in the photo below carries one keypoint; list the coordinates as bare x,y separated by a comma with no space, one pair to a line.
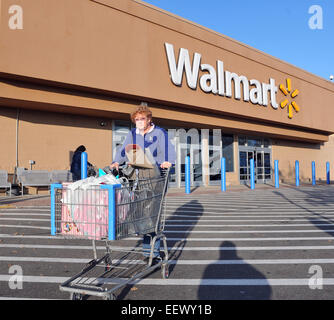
142,122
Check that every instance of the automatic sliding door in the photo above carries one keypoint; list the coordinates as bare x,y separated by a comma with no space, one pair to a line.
262,166
251,155
259,165
267,166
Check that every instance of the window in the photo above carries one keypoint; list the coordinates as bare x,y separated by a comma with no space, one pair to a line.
120,131
228,152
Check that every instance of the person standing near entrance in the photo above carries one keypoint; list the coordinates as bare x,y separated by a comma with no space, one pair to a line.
154,141
76,163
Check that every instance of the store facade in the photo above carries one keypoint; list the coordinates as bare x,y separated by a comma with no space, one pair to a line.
74,77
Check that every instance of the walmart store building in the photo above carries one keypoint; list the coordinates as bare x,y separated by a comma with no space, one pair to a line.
78,68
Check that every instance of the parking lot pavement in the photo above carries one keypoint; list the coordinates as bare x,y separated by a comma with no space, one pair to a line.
255,244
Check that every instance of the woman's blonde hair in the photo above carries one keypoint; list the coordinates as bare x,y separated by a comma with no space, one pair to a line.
141,110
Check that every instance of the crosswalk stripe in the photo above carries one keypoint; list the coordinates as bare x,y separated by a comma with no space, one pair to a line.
24,219
251,231
3,214
247,225
23,226
199,223
179,214
178,262
177,282
16,298
184,239
222,248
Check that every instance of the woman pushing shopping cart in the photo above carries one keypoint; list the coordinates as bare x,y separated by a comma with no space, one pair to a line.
134,205
110,213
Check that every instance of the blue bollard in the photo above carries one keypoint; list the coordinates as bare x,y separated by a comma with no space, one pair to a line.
297,173
313,173
223,174
276,175
252,174
111,209
83,165
187,175
328,173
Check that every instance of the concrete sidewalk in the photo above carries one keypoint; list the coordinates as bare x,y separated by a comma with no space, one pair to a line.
44,200
236,188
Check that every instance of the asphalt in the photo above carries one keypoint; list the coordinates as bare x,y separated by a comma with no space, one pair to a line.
44,200
244,244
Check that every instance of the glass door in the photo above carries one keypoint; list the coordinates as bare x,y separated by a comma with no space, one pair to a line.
252,155
245,158
258,149
268,173
243,165
264,170
259,166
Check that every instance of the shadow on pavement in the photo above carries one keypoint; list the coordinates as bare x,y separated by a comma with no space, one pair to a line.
175,245
229,273
315,198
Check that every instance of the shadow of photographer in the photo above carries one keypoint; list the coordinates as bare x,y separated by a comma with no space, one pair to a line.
231,278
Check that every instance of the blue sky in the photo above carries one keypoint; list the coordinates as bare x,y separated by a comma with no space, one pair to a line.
279,28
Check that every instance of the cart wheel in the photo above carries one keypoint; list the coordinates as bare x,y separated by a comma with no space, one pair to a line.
109,296
107,262
76,296
165,271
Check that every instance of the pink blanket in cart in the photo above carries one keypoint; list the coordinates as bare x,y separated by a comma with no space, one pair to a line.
84,213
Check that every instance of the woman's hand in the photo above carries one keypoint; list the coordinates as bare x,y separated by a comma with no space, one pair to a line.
114,165
165,165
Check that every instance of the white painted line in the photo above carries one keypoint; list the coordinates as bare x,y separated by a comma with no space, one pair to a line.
256,248
198,223
15,298
264,205
171,221
3,214
179,282
179,239
23,210
251,231
248,225
28,236
23,226
226,215
24,219
178,262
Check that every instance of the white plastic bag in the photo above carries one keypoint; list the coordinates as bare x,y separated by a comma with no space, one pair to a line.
94,181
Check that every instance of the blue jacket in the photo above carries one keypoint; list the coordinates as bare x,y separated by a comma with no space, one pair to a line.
156,140
76,166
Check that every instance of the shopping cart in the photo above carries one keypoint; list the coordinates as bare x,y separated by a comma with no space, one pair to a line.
110,213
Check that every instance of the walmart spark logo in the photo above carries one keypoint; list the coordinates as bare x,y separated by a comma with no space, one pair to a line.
286,91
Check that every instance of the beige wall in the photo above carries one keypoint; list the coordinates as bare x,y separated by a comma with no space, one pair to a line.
49,139
117,46
8,139
287,152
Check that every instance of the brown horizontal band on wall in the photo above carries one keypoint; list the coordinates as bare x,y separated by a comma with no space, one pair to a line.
57,100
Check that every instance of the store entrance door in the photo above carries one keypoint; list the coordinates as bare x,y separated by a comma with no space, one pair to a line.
262,165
